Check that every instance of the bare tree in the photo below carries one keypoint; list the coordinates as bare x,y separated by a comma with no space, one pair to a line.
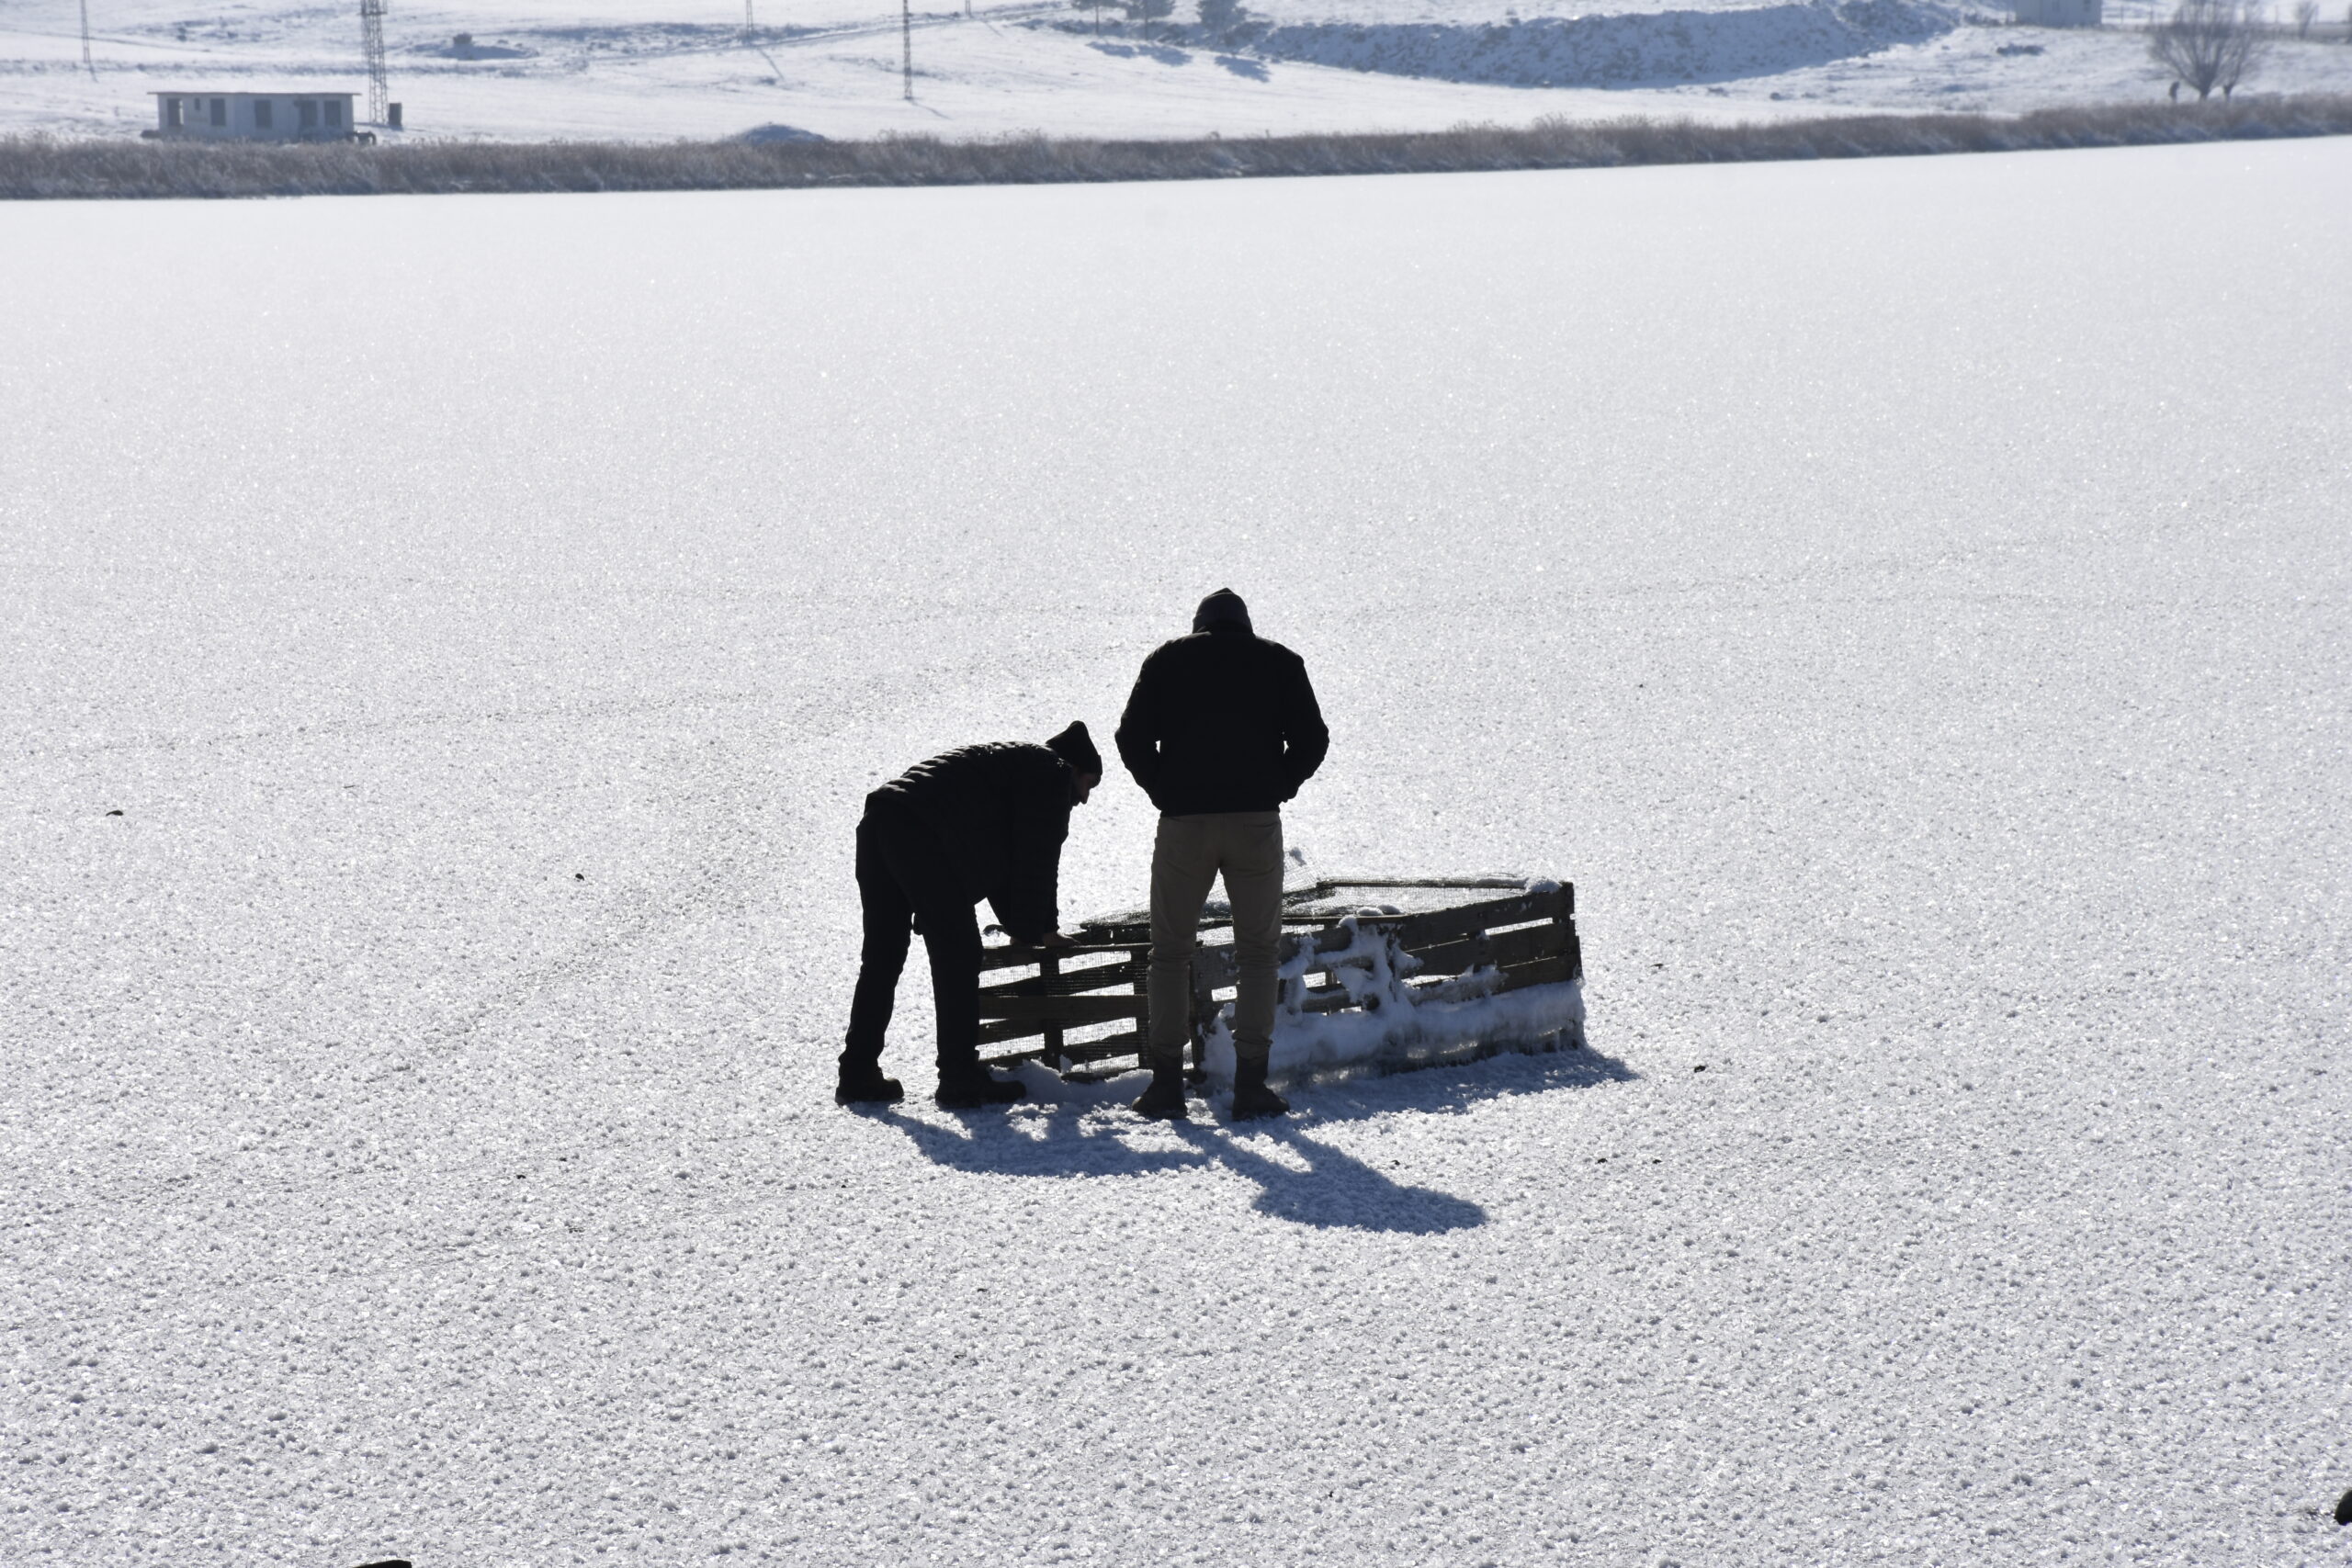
1149,11
2306,17
2207,44
1220,14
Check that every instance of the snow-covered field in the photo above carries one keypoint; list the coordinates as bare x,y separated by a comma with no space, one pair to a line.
611,69
1909,598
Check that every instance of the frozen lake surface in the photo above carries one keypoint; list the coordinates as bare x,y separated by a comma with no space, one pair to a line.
1907,598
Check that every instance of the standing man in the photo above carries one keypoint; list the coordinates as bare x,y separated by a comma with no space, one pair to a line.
977,822
1221,729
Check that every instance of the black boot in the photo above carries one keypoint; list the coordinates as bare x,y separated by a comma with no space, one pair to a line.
864,1085
967,1089
1251,1097
1164,1101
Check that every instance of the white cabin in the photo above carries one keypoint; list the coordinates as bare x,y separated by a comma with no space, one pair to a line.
253,116
2057,13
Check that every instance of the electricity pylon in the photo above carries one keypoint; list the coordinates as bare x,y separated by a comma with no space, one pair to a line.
371,44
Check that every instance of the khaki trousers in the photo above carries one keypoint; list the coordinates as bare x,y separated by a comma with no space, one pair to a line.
1190,852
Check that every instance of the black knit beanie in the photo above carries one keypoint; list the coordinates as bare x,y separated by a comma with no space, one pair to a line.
1223,605
1076,746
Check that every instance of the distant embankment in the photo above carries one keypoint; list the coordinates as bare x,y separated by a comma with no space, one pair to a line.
45,167
1623,50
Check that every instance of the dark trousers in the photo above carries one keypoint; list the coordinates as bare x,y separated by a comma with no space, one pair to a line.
903,873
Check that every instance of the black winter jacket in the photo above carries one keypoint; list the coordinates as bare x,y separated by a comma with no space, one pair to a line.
1222,720
1002,810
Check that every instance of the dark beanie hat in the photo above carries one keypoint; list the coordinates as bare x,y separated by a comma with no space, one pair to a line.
1223,605
1076,746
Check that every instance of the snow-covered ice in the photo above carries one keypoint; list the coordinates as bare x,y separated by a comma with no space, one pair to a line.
1909,598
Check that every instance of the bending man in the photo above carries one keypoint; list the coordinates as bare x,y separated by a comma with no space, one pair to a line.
977,822
1221,729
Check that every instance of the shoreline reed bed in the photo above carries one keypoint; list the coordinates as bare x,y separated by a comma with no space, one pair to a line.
55,168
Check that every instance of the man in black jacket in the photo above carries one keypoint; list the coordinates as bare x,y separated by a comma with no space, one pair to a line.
977,822
1221,729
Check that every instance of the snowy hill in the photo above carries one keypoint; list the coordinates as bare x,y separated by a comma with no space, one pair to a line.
610,69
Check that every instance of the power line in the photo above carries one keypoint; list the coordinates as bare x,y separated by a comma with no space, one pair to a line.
907,46
87,64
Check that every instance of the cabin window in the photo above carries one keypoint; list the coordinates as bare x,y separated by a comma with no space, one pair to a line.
333,110
219,111
308,108
172,113
261,114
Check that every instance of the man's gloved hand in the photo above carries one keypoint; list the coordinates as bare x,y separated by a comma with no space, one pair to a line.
1055,942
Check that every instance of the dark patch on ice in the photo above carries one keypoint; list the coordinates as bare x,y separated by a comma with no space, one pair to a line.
763,134
115,813
1158,51
2344,1510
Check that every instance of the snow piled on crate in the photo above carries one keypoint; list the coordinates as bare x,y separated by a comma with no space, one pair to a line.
1390,1021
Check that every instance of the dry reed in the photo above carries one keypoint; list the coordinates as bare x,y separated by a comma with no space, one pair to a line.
39,167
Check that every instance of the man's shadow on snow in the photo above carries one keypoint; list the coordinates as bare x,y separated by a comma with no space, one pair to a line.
1072,1130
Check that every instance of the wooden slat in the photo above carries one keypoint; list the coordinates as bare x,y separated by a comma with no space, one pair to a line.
1049,970
1329,887
1143,1021
1016,955
1214,966
1002,1030
1335,884
1110,1045
1437,925
1503,948
1070,982
1543,972
1063,1009
1431,927
1084,1052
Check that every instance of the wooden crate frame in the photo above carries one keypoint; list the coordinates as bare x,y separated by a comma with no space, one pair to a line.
1528,935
